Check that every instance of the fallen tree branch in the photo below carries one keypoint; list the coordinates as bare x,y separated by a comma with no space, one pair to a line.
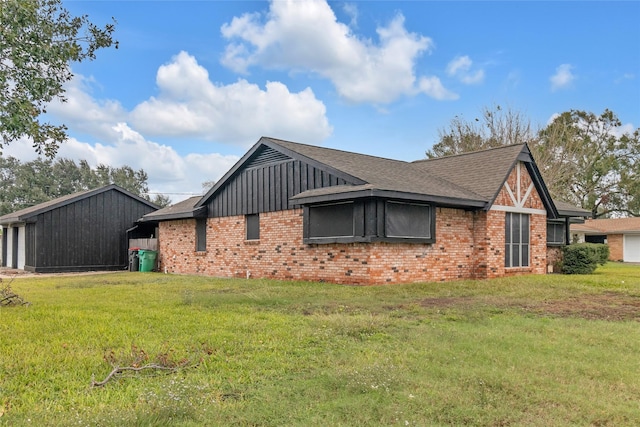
8,297
121,369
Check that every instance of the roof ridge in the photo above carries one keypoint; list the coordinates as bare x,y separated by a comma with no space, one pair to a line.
467,153
276,140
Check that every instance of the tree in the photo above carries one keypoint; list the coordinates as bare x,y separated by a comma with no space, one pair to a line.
31,183
208,185
39,39
584,158
592,163
495,128
161,200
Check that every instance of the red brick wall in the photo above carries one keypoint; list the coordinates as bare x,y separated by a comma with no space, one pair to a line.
554,258
538,226
615,242
468,245
459,253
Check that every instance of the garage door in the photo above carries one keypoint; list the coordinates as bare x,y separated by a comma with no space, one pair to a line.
631,248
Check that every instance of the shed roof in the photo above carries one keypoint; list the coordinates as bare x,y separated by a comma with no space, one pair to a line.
25,214
567,209
181,210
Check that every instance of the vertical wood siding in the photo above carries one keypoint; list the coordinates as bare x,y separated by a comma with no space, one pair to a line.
87,234
268,188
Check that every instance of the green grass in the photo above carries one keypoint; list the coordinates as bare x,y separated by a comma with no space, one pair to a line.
533,350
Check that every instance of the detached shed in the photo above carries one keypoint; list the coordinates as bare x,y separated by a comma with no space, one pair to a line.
84,231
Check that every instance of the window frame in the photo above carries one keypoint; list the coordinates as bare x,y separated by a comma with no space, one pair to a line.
515,243
251,229
563,231
430,214
337,236
201,234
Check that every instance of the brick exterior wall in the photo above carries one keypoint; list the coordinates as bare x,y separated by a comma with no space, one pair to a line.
281,254
469,245
616,251
554,259
519,182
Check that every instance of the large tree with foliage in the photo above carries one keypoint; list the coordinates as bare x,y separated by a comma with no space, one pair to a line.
584,158
39,40
587,159
31,183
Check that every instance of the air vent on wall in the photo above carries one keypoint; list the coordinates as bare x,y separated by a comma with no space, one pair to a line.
266,156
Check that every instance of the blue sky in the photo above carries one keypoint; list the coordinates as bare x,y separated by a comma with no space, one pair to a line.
195,83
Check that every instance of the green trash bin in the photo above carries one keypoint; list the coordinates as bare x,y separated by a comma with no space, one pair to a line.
147,259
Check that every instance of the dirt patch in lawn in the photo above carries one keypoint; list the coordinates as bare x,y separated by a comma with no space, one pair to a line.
611,306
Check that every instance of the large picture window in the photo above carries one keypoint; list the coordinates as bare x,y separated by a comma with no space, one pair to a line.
516,251
201,234
556,233
408,220
335,220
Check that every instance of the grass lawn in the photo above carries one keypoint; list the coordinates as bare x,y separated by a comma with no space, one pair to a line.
534,350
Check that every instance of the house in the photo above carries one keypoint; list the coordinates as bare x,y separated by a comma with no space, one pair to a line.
621,234
294,211
80,232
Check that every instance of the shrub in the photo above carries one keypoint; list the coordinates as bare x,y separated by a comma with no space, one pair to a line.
583,258
602,252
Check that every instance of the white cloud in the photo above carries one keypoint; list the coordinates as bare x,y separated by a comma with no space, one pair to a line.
83,113
434,88
306,35
190,105
460,67
562,78
168,172
352,11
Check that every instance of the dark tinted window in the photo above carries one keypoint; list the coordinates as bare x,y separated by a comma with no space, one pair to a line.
555,233
201,234
253,226
408,220
331,220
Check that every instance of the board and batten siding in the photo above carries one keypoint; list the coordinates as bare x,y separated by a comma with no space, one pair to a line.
86,234
268,188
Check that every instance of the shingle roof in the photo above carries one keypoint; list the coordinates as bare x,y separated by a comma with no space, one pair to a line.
183,209
26,213
482,172
567,209
466,180
380,173
609,226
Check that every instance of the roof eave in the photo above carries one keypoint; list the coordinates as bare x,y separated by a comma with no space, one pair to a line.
86,194
388,194
574,213
195,213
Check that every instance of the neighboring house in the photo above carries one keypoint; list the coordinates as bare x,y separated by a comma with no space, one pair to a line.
80,232
621,234
295,211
